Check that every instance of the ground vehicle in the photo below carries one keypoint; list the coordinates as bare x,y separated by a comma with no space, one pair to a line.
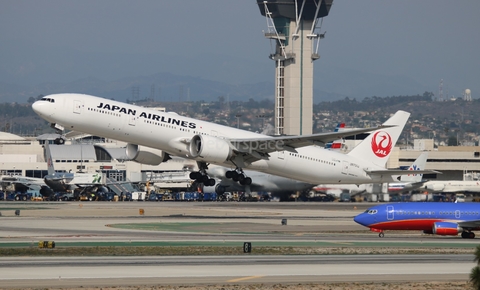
460,197
344,197
153,196
86,196
105,196
135,195
21,196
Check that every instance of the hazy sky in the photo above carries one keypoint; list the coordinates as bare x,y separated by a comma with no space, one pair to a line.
426,40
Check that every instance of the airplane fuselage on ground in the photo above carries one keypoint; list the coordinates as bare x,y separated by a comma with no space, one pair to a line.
440,218
452,186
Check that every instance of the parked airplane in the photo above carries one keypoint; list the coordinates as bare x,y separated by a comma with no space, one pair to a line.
438,218
297,157
337,144
407,182
260,182
411,181
452,186
31,184
68,181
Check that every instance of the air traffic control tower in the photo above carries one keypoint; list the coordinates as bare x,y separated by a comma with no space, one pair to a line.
294,26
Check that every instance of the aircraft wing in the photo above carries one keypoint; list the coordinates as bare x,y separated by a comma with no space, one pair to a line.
470,224
262,146
75,134
27,181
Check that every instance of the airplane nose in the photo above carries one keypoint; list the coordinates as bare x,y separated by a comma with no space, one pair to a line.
42,108
37,107
361,219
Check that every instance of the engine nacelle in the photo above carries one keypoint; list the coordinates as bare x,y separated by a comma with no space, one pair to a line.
210,149
220,189
153,157
435,187
446,229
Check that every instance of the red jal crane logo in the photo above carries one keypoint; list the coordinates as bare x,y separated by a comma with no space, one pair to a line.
381,144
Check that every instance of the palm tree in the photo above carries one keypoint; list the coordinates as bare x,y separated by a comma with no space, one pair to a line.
475,273
477,255
475,277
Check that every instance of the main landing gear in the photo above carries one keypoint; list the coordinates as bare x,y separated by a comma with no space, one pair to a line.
468,235
239,176
201,176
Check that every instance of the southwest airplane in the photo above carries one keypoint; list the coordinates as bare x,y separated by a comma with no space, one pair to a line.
297,157
438,218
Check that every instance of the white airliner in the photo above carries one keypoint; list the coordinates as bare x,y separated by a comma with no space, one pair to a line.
413,180
452,186
407,182
297,157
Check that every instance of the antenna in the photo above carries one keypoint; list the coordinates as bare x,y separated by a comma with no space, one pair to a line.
152,93
440,91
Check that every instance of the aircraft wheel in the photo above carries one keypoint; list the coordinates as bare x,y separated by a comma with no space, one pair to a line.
229,174
24,198
204,179
235,176
195,175
471,235
17,198
241,177
248,181
381,235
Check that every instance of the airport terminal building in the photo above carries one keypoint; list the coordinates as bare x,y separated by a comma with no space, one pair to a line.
26,156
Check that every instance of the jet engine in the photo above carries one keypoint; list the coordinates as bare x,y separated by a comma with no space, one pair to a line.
153,157
220,189
211,149
446,229
434,187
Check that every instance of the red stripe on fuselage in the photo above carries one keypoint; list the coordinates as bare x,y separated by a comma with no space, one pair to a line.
419,224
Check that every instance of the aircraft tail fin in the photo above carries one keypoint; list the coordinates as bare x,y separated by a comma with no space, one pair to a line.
337,144
418,164
48,155
378,146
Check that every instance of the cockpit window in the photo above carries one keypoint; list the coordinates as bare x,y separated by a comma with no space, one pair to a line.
371,211
50,100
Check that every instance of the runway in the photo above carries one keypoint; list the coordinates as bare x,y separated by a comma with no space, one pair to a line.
314,225
122,271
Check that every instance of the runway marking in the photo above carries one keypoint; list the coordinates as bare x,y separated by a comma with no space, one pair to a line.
245,278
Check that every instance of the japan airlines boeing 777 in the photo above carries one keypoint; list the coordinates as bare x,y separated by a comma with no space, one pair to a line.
298,157
439,218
